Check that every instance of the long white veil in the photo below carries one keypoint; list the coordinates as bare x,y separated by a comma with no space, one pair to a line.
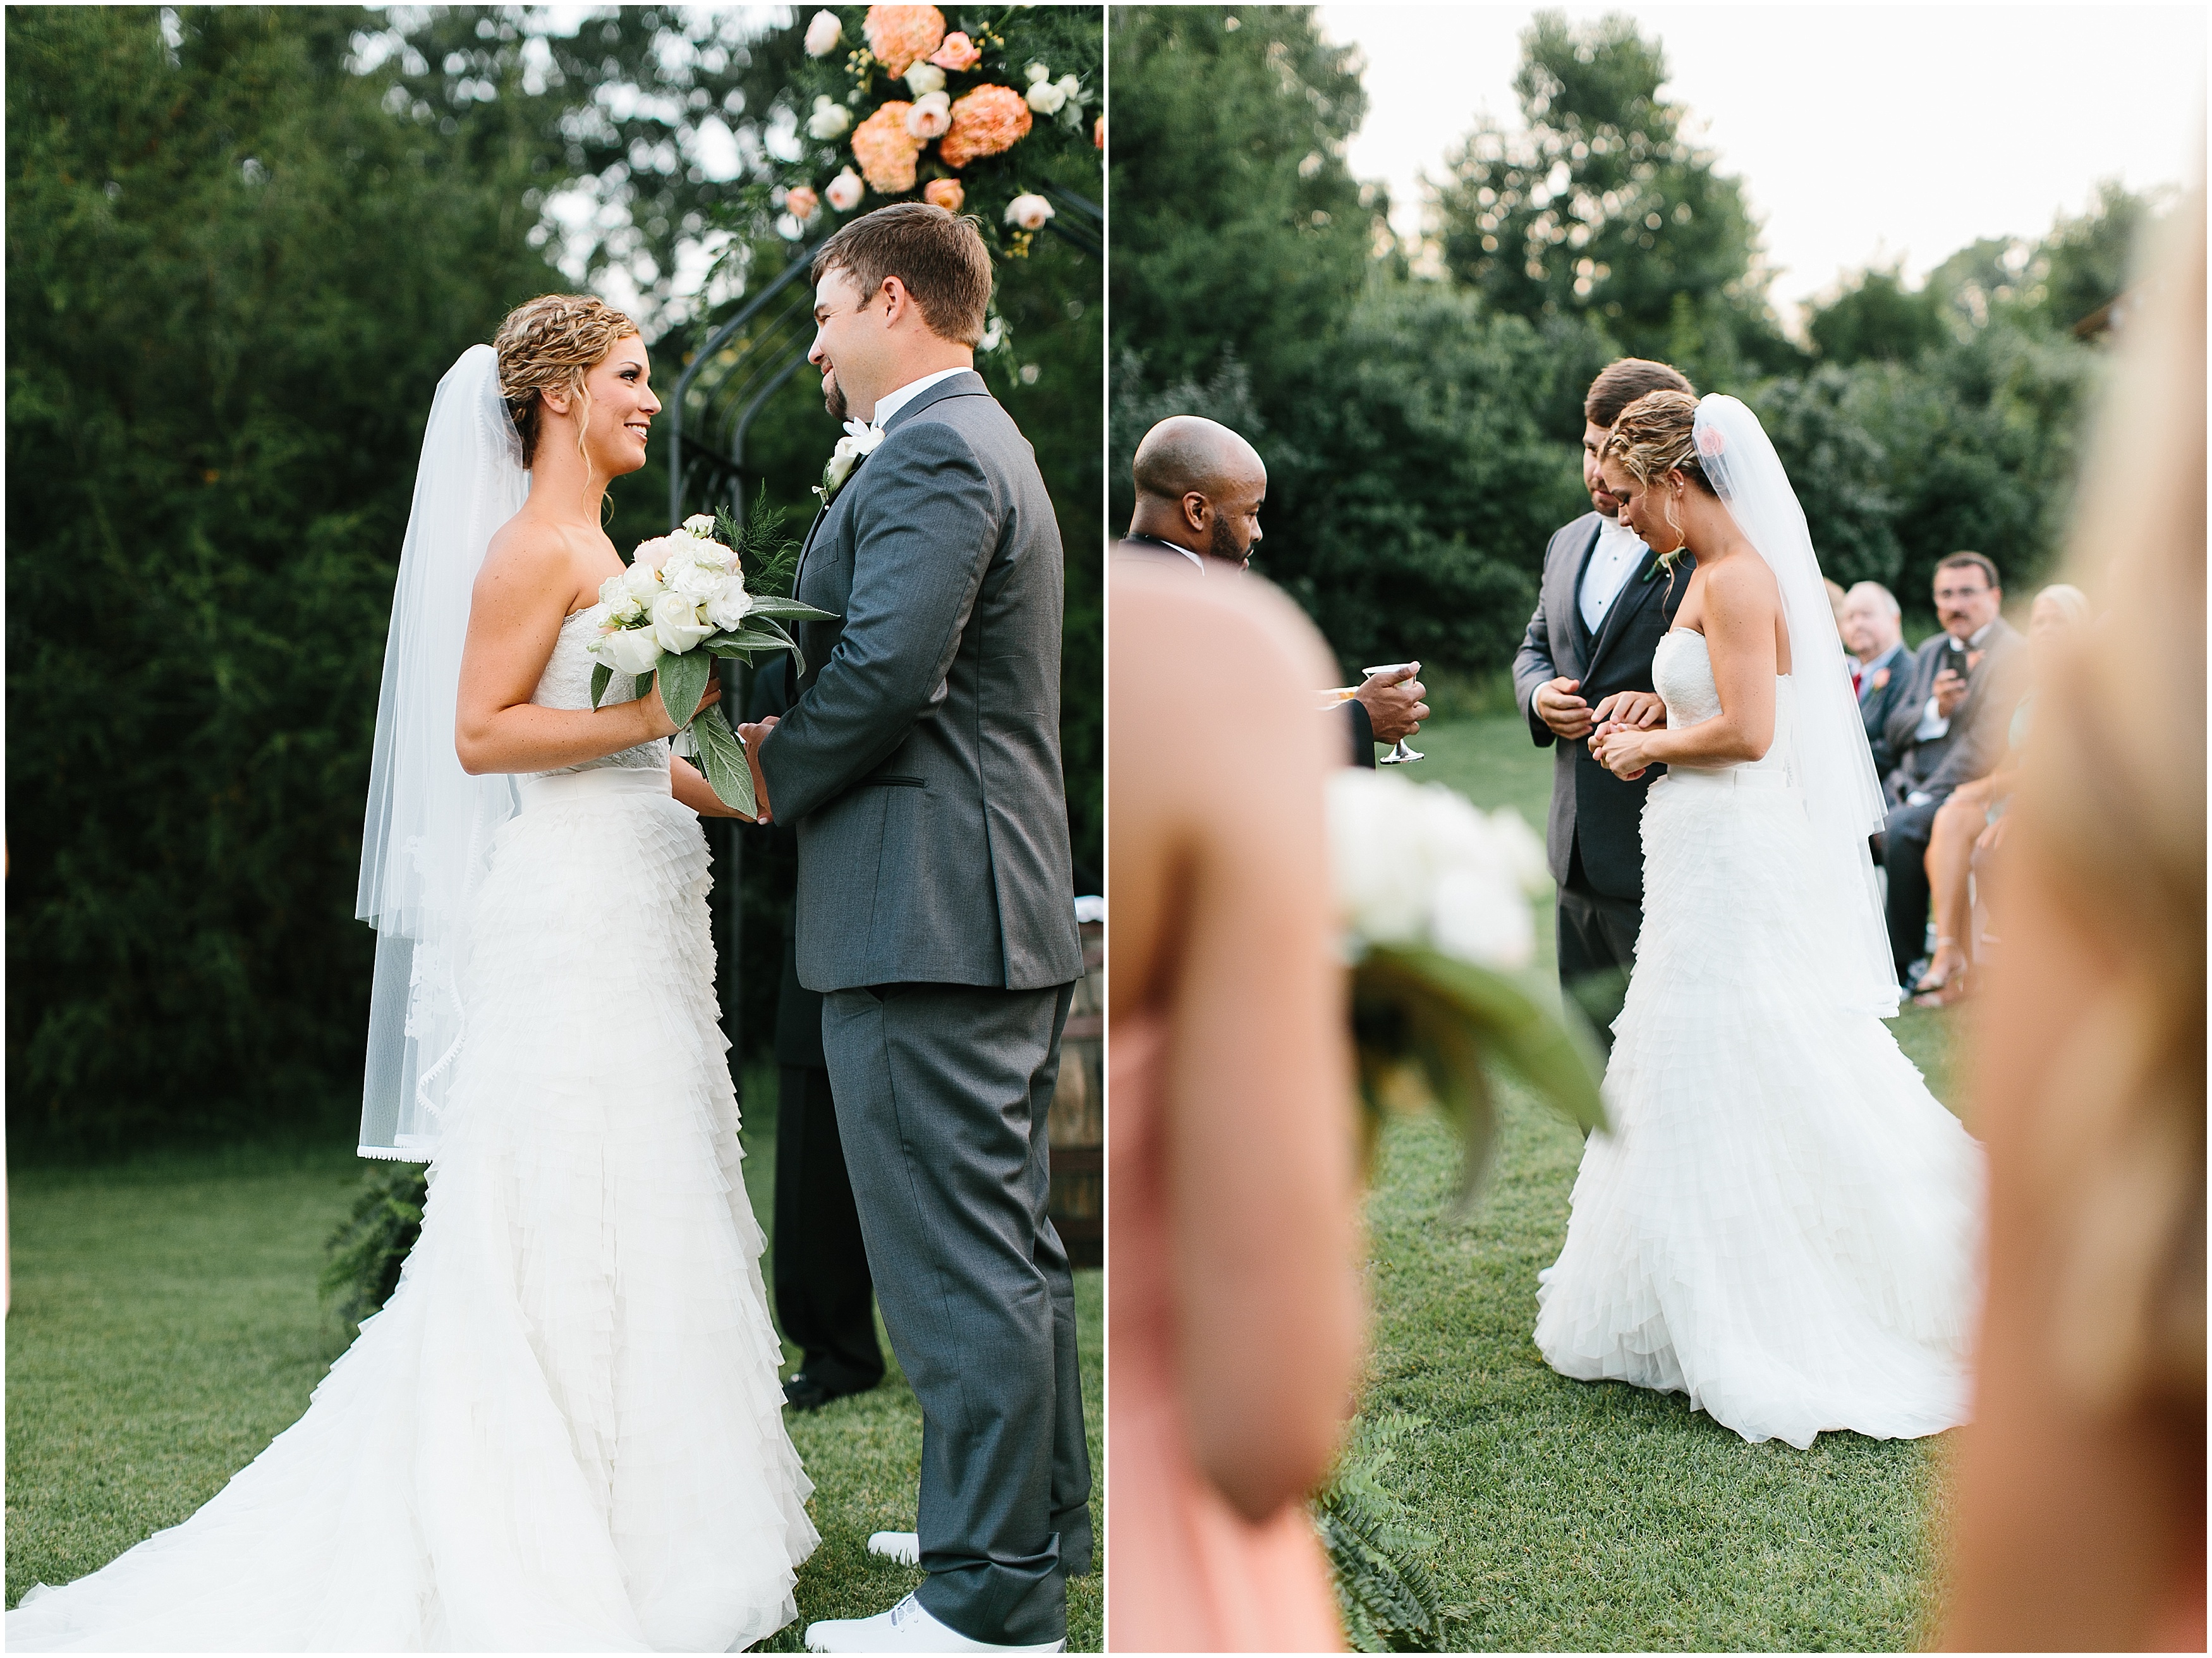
430,825
1831,763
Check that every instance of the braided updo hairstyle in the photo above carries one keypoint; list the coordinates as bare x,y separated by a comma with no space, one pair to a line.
1657,434
549,344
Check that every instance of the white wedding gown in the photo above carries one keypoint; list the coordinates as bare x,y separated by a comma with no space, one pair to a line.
564,1432
1784,1222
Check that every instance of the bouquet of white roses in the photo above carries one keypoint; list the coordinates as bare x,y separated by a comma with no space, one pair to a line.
683,603
1434,895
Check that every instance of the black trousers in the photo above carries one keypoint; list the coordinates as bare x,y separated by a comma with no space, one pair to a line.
823,1295
1905,854
1597,947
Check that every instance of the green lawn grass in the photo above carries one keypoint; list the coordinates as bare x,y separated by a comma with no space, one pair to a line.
1573,1517
165,1328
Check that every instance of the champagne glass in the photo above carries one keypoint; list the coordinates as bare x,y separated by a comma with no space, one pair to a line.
1400,754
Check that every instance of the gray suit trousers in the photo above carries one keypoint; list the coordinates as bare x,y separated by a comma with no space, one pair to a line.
942,1091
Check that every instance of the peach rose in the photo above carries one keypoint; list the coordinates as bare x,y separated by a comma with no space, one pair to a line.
845,191
885,150
801,203
945,194
902,36
958,52
987,121
1098,133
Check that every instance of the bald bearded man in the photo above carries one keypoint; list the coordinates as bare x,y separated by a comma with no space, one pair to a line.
1199,488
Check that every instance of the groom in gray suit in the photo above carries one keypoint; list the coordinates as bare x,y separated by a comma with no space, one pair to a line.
920,765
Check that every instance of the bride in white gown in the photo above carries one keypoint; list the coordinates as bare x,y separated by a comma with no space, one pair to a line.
564,1430
1782,1222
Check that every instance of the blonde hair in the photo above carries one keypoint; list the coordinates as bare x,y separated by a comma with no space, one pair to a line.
2073,604
549,344
1655,435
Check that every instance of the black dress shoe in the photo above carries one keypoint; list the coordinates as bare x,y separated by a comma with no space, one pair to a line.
805,1392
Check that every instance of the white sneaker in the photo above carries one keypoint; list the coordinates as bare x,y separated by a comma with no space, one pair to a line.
901,1548
907,1627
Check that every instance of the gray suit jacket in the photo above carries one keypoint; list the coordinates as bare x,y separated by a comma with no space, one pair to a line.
1590,805
920,761
1975,742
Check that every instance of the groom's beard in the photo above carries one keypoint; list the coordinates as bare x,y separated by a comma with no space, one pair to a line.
833,399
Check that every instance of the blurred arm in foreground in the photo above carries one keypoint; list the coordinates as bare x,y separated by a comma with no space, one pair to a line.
2080,1483
1236,1316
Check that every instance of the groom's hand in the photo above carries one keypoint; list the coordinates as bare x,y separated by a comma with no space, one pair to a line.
752,737
1643,709
1557,706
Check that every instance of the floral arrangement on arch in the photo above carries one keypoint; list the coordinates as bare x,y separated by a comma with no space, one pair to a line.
965,112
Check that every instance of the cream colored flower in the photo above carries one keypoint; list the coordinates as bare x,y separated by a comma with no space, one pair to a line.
931,117
675,623
1045,98
844,191
830,119
1030,211
628,650
823,31
924,78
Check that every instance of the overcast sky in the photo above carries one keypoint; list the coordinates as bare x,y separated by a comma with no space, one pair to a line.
1862,133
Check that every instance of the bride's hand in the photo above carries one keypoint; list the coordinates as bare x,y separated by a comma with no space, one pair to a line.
656,711
1621,750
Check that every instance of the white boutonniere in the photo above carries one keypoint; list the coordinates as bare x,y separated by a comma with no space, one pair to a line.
859,442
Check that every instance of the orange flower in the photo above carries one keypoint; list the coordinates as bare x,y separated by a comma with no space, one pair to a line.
902,36
958,52
985,121
885,150
945,194
1098,133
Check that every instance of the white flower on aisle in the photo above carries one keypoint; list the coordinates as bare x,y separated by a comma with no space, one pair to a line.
1416,865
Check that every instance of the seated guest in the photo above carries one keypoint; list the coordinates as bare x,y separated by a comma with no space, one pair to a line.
1971,821
1199,488
1881,668
1948,729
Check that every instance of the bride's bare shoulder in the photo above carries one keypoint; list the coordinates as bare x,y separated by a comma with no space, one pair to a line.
529,560
1742,587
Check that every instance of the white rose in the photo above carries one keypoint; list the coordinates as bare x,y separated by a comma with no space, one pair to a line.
1479,917
1070,87
829,121
930,116
844,193
694,581
729,604
641,582
628,650
657,551
701,525
1029,211
675,623
823,31
1381,893
1038,72
925,78
1045,98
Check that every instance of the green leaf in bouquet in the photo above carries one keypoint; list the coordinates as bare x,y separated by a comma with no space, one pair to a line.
602,676
1424,1024
760,543
683,682
722,759
790,609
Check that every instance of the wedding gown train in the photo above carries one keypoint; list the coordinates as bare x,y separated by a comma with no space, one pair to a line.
564,1432
1782,1224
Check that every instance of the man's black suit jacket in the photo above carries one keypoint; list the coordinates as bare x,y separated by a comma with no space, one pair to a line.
1588,803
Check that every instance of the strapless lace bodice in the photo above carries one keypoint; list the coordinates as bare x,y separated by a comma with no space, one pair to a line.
1682,674
566,683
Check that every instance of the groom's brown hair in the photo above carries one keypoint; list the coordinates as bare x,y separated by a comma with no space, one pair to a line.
939,256
1619,383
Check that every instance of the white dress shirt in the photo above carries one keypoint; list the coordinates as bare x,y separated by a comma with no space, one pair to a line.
892,402
1620,550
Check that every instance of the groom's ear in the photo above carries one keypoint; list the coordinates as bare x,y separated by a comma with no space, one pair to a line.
898,303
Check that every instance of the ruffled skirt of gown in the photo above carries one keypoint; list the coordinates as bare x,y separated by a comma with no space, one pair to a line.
1783,1224
564,1432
